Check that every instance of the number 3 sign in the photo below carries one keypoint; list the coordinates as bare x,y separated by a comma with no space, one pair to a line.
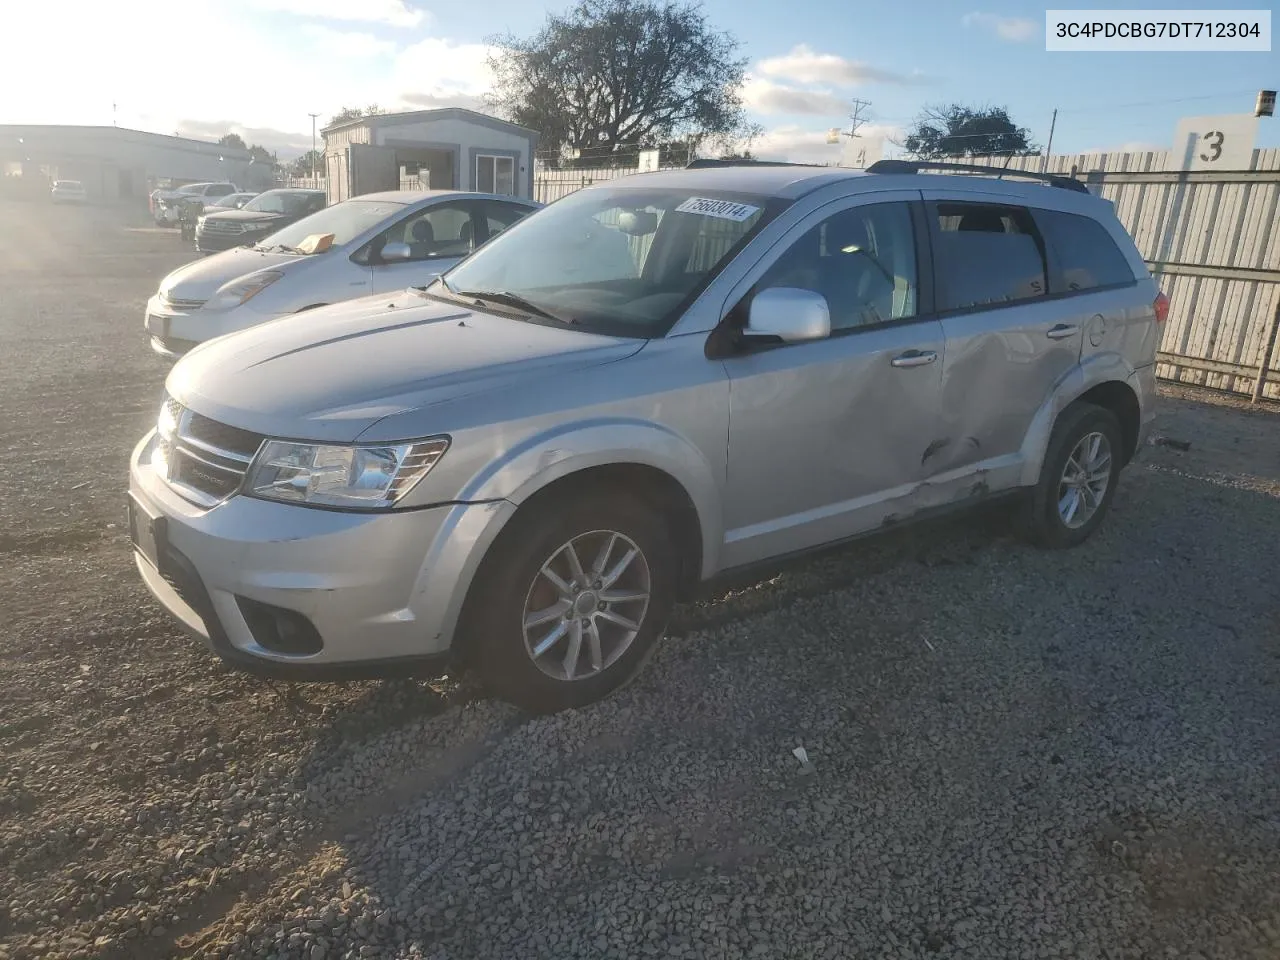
1214,143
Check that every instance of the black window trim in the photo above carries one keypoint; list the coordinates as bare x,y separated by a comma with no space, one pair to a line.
925,297
1057,290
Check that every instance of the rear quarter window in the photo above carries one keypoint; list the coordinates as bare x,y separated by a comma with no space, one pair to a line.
1084,255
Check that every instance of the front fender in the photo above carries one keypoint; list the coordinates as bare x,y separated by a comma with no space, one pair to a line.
555,454
1079,380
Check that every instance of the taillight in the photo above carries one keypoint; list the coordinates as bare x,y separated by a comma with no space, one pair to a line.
1162,307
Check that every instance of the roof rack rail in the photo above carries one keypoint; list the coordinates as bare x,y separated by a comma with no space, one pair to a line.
915,166
740,162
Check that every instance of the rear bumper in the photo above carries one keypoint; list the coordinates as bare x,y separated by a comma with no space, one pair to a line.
1143,383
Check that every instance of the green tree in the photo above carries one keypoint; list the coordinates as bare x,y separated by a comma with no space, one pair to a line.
301,167
232,140
262,155
611,75
959,131
354,113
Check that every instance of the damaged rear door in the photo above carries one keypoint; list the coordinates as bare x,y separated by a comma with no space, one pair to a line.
1008,344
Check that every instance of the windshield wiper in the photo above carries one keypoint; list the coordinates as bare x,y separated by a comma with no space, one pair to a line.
507,298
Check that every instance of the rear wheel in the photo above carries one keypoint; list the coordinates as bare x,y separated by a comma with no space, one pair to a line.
572,600
1078,478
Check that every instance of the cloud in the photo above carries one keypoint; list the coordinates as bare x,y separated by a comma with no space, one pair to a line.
767,97
801,145
328,42
805,65
443,69
1013,29
431,101
395,13
286,144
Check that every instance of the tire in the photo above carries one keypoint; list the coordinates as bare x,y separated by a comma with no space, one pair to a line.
1049,518
511,584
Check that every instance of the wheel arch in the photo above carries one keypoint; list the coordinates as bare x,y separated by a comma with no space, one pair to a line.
1102,380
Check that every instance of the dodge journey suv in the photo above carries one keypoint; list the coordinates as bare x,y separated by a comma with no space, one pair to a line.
649,384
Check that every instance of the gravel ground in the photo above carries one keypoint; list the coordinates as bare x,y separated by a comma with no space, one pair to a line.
1013,753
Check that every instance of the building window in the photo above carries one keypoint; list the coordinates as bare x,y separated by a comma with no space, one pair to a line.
496,175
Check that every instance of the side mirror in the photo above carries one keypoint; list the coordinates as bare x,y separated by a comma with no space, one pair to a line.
396,251
790,314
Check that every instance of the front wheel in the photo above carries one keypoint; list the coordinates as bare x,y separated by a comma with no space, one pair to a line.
1078,478
572,600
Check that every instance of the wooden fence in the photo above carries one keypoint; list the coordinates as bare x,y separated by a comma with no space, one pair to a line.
1211,239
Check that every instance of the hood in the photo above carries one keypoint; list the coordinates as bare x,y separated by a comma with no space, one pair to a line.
333,372
200,279
231,214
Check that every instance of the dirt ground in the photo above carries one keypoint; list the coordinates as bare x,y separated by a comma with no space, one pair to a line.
1016,753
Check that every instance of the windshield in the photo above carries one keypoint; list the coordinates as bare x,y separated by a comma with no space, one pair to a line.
279,201
346,221
614,260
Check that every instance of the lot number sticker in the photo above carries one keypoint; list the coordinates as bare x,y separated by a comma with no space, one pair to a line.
721,209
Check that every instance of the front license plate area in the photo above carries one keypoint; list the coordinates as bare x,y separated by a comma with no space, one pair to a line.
146,532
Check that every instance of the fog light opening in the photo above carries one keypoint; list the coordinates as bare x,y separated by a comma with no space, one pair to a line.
280,630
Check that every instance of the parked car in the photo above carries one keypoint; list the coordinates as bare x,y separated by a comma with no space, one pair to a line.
168,203
67,191
265,213
654,382
374,243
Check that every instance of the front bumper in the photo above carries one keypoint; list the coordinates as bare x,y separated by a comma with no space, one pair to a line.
175,330
382,591
211,243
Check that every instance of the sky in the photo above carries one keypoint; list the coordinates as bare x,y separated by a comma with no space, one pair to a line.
260,67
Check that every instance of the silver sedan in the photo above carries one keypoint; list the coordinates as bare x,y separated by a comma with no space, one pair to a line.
376,243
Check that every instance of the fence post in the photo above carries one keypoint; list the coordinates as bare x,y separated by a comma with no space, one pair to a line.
1270,345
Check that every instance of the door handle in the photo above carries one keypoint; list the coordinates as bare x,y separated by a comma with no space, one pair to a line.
1062,331
914,358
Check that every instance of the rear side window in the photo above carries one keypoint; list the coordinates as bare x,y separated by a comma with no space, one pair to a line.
1086,256
986,255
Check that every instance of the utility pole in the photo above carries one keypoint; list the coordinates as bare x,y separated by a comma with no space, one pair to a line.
313,147
1044,161
856,119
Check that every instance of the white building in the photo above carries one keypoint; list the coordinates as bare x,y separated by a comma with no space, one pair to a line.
447,149
115,163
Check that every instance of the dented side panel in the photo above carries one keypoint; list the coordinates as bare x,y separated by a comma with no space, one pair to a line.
827,439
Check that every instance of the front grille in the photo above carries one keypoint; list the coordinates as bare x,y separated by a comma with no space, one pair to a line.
180,304
221,228
223,436
207,460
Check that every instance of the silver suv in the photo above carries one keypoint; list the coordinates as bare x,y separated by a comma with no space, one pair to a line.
644,386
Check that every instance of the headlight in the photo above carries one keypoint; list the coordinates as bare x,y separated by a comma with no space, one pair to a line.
369,477
239,291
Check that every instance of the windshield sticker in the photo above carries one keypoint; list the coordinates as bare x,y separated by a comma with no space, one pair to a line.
721,209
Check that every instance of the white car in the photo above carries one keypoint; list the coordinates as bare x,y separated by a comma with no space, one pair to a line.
167,202
67,191
372,244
